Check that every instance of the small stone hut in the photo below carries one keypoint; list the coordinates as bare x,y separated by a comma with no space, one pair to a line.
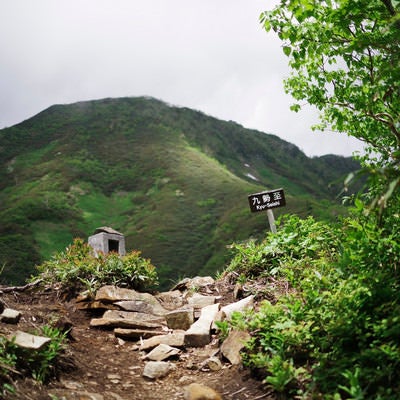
106,240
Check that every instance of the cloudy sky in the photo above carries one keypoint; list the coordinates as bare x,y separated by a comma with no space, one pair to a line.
209,55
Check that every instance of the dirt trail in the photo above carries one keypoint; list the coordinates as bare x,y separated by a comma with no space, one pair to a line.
98,366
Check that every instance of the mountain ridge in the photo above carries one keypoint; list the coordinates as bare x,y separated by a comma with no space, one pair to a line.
174,180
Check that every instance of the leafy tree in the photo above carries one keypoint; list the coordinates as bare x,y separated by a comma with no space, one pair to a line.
345,60
333,332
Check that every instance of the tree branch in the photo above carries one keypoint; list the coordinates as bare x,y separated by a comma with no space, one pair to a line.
20,288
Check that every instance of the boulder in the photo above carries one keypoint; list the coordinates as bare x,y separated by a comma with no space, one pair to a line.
112,294
136,334
170,300
213,363
198,301
233,344
240,305
175,339
180,319
199,334
10,316
95,305
197,391
28,341
125,319
162,352
141,306
156,369
194,283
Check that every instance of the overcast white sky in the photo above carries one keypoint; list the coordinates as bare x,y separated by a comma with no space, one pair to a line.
209,55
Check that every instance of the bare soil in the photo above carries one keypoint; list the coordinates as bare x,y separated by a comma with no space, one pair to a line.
98,366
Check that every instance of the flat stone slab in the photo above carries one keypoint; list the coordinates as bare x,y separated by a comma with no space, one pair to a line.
233,344
95,305
28,341
126,319
141,306
157,369
194,283
199,334
136,334
10,316
239,306
175,339
112,294
200,301
162,352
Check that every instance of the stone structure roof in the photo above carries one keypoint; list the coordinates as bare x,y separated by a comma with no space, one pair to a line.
107,229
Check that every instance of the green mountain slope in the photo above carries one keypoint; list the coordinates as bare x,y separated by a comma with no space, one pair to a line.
175,181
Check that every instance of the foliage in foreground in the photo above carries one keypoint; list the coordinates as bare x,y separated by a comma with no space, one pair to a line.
77,267
344,57
19,362
334,333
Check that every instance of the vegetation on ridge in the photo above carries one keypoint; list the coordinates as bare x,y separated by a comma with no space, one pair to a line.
173,180
333,331
77,269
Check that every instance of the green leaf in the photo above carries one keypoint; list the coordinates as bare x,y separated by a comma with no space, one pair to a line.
295,107
287,50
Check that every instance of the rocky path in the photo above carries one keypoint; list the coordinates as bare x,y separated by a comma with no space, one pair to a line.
100,364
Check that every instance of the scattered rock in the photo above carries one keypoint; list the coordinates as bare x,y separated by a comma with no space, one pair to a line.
180,319
170,300
238,291
240,305
162,352
95,305
76,395
175,339
156,369
136,334
162,325
10,316
114,377
233,344
213,363
196,391
199,301
28,341
126,319
199,334
112,294
72,385
141,306
194,283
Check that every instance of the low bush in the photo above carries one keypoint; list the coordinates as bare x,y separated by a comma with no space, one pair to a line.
334,333
17,362
77,267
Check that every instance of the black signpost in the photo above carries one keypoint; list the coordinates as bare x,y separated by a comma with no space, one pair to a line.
266,201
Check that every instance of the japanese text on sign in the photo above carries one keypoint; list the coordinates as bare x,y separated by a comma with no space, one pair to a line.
266,200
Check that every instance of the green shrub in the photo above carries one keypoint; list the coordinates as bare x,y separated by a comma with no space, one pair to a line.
39,364
334,332
297,240
78,267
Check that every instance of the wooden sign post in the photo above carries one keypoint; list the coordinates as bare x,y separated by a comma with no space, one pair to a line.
265,201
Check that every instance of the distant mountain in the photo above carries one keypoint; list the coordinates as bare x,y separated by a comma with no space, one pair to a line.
173,180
